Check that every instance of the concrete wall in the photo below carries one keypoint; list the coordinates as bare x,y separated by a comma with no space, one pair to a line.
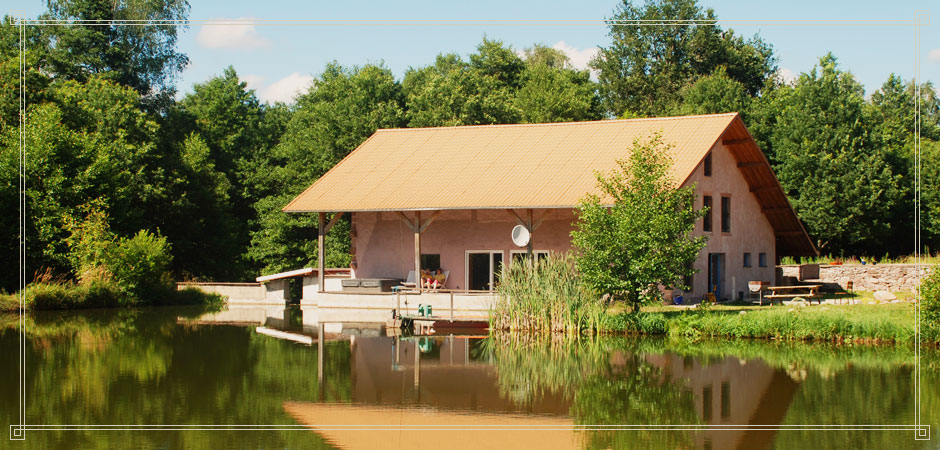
349,307
311,286
270,293
384,246
878,277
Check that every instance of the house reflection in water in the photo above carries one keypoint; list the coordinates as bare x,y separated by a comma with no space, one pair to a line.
732,392
405,390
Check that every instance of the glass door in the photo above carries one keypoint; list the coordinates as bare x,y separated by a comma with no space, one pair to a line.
483,269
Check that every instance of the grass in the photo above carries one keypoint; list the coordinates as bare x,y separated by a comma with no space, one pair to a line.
870,324
57,294
930,259
545,296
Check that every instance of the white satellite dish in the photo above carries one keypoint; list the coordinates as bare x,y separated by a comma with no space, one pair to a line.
520,236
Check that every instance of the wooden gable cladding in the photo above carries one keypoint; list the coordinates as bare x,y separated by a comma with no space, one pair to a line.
792,238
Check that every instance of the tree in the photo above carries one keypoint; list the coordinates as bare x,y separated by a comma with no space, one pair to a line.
552,91
645,67
715,93
342,109
143,57
643,239
840,184
454,92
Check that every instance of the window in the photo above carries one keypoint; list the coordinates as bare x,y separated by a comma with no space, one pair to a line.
519,255
762,259
725,214
707,204
689,280
747,260
483,268
430,261
707,165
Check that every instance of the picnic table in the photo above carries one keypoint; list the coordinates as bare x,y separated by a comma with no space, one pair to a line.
807,291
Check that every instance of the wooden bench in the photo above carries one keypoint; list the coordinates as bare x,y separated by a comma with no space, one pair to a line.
807,291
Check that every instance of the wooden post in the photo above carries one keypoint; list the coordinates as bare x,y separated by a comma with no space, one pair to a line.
417,231
417,365
321,259
528,247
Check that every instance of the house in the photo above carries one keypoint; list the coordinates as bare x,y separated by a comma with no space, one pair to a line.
449,197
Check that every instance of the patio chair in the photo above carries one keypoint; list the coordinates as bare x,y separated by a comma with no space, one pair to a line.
409,282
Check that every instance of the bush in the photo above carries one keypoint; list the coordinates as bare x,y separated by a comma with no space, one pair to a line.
140,266
930,305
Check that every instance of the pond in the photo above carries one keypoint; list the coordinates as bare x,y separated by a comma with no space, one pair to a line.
358,388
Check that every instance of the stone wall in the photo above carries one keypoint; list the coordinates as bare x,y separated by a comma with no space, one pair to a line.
879,277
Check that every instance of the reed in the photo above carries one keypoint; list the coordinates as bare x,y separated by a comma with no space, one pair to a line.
546,296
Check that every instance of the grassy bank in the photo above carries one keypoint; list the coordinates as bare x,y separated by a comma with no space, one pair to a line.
873,324
52,295
550,297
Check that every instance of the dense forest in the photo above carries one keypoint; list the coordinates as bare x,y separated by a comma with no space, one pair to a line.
107,136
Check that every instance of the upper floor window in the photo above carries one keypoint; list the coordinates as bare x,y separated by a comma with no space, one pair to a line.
725,214
707,203
708,164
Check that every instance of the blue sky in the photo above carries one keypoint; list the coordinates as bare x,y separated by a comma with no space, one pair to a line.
277,60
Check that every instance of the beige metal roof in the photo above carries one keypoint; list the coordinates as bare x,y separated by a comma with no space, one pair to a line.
497,166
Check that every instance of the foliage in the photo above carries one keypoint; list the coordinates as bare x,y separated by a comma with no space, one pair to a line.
823,156
342,109
715,93
646,66
643,239
142,57
930,305
547,295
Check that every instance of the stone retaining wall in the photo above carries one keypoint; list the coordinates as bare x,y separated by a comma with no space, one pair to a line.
878,277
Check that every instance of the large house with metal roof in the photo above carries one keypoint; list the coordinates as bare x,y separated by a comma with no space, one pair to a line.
447,198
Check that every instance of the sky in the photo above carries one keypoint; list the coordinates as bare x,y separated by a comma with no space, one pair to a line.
279,60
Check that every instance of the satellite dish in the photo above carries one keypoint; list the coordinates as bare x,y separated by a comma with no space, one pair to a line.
520,236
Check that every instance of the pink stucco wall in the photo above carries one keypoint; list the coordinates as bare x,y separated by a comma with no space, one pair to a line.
750,230
384,245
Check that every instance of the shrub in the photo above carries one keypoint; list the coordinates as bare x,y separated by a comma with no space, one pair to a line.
140,266
930,305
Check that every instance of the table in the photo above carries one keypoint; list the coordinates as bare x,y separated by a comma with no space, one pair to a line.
807,291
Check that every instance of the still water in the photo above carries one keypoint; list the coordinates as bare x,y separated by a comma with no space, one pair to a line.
357,388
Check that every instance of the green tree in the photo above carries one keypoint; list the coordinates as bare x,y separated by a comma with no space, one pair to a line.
143,57
552,91
841,185
636,235
454,92
715,93
342,109
646,66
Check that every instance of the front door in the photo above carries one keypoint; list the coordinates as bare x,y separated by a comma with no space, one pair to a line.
716,269
483,269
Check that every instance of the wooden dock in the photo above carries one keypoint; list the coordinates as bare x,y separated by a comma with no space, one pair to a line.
431,324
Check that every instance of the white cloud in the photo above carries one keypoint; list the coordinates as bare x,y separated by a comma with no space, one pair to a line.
283,90
934,55
579,58
232,34
252,81
787,75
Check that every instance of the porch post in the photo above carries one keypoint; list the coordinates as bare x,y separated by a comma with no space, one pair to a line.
528,247
418,250
321,258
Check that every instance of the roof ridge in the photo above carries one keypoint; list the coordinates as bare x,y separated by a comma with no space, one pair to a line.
547,124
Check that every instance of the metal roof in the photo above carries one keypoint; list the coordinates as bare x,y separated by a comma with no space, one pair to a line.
530,166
